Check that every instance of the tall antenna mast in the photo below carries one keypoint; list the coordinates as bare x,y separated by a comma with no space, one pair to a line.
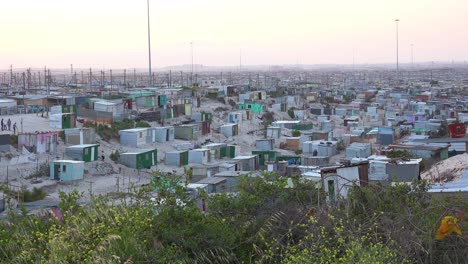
191,52
397,69
240,60
149,46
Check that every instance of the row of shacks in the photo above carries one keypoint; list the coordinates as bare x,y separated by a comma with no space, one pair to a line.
334,179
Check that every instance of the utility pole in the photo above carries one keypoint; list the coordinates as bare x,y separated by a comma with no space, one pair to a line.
412,61
191,75
397,67
181,78
240,60
125,78
11,75
90,78
48,81
149,47
111,81
170,78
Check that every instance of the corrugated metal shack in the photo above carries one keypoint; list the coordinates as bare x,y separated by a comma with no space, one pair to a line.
265,144
141,159
160,134
78,136
135,137
199,156
358,150
187,132
85,152
66,170
230,130
177,158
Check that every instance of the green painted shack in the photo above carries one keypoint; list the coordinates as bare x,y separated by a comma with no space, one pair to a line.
264,156
142,159
253,107
84,152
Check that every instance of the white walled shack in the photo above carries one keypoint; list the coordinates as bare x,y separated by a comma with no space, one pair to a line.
247,163
358,150
115,108
230,130
273,132
176,158
265,144
79,136
323,148
161,134
134,137
199,156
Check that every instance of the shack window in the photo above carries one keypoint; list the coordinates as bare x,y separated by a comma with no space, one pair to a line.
64,168
141,134
147,156
86,151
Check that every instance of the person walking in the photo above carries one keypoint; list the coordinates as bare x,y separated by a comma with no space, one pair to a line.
14,128
9,124
2,124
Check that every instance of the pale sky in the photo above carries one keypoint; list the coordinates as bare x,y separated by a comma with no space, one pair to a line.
113,33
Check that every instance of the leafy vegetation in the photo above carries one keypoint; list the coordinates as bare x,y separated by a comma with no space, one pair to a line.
398,154
107,132
291,112
25,195
115,156
61,135
296,133
14,140
266,221
142,124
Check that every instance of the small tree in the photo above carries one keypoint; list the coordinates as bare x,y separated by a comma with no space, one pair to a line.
291,112
115,156
296,133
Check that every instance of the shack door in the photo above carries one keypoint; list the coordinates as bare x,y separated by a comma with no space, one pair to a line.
222,152
184,158
331,191
93,153
232,152
56,171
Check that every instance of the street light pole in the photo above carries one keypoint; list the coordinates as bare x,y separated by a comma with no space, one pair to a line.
191,54
412,59
397,69
149,46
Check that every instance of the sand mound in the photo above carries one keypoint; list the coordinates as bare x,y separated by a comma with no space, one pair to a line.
447,170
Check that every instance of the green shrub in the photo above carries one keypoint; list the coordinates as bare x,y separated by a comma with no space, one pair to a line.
115,156
62,135
296,133
291,112
398,154
142,124
14,140
35,195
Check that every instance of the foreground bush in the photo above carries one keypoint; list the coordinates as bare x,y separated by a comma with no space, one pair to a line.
265,222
